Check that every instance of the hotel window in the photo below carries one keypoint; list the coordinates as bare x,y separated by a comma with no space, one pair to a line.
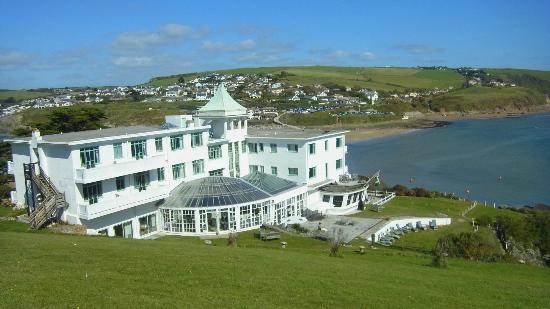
178,170
261,168
89,156
141,180
92,192
337,200
292,171
312,148
123,230
338,163
117,150
338,142
120,183
176,142
218,172
273,148
261,146
147,224
196,139
326,198
158,144
326,145
253,147
312,172
214,152
160,174
253,168
198,167
139,149
274,170
243,146
292,147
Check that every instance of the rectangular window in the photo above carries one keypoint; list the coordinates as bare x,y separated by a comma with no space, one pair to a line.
338,163
117,150
218,172
292,147
123,230
141,180
261,146
253,168
261,168
312,172
120,183
92,192
326,198
312,148
178,170
243,146
274,170
139,149
147,224
160,174
214,152
253,147
326,145
337,200
338,142
273,148
89,156
198,167
176,142
158,144
292,171
196,139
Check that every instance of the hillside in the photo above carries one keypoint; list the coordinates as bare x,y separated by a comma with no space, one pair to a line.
386,79
184,272
19,95
538,80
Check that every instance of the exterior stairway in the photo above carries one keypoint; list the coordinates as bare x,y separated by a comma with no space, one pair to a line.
49,201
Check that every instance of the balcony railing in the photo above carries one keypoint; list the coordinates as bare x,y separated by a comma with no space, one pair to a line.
118,168
123,201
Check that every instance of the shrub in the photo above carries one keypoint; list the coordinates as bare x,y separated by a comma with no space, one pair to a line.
336,241
484,220
298,228
439,261
474,246
232,240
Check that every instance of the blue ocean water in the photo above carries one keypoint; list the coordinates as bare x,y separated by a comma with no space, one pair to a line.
503,161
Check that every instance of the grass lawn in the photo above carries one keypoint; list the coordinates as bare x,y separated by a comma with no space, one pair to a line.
487,98
22,94
50,270
374,78
417,206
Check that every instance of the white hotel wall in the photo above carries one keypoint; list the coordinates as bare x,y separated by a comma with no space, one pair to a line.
283,159
20,156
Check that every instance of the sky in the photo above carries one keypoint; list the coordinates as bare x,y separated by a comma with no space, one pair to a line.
93,43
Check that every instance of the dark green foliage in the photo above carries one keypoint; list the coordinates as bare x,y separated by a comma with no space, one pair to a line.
21,132
5,191
298,228
473,246
401,190
484,220
439,261
531,231
62,120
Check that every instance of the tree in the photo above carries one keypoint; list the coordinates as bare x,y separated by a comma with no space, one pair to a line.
181,80
62,120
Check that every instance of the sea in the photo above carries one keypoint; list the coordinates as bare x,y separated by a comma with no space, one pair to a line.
502,161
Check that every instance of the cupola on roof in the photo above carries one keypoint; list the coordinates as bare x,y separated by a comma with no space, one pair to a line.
222,105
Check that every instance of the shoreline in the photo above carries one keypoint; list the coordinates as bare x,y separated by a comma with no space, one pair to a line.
369,131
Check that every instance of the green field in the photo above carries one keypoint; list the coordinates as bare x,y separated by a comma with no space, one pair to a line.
19,95
325,118
487,99
374,78
418,206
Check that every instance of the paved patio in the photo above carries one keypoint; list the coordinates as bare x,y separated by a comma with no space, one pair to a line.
351,227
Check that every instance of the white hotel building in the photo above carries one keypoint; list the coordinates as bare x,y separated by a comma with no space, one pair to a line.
195,175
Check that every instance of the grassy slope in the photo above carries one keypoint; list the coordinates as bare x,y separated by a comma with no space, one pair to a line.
487,98
74,271
417,206
375,78
22,94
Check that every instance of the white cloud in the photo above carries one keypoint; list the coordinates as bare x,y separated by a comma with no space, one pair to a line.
13,59
229,47
367,56
134,62
166,34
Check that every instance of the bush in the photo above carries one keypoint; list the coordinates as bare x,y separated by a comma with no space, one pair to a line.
298,228
484,220
474,246
232,240
439,261
336,241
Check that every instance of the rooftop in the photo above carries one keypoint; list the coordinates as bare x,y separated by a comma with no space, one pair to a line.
269,183
94,134
221,105
285,132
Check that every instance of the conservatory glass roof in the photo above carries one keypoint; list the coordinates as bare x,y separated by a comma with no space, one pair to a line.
221,191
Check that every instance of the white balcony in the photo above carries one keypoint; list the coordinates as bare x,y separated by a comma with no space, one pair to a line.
118,168
124,200
11,168
346,149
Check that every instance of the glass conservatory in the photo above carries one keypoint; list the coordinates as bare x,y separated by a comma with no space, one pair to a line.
216,204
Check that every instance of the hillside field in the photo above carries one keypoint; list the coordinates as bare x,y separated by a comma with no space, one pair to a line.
53,270
19,95
386,79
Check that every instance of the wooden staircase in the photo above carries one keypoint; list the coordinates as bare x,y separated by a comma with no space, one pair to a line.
48,202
